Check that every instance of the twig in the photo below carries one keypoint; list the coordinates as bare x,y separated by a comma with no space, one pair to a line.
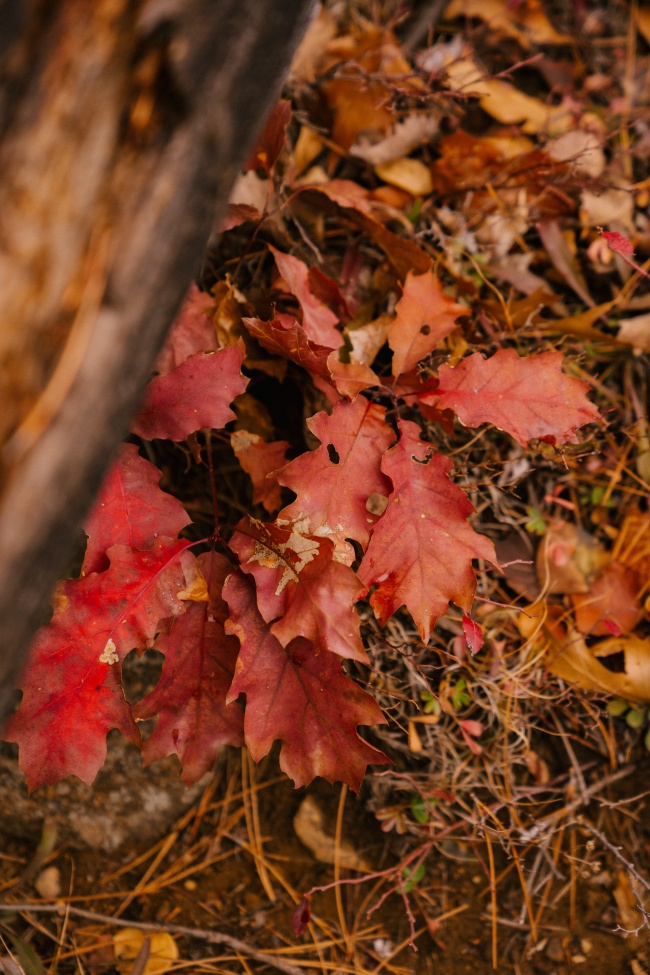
200,934
615,850
530,834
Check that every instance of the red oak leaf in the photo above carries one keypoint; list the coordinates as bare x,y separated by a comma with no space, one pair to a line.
126,603
617,242
70,703
473,634
71,686
194,720
258,459
527,397
192,331
273,138
301,917
285,337
334,482
328,291
350,378
318,320
301,590
195,395
299,696
423,317
131,510
421,549
237,214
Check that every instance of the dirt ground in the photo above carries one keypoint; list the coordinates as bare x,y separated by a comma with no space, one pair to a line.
225,858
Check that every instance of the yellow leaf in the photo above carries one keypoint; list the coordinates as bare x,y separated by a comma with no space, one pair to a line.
635,682
526,23
503,101
407,174
163,951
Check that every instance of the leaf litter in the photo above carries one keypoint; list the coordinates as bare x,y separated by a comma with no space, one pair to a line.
436,289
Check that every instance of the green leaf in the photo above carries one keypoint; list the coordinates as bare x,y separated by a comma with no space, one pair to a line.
420,809
535,524
636,717
617,706
459,696
431,703
412,878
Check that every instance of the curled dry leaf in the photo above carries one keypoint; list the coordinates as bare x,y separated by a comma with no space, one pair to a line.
568,559
611,605
635,684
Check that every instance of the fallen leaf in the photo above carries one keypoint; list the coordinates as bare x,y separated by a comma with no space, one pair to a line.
526,22
258,459
502,100
318,321
635,332
311,829
163,950
635,679
582,149
192,331
407,174
405,136
130,510
568,559
611,207
611,601
563,257
424,315
72,695
273,137
473,636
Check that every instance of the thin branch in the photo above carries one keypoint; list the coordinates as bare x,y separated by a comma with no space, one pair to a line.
199,934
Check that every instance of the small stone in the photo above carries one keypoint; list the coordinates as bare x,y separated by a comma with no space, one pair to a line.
48,883
554,950
190,885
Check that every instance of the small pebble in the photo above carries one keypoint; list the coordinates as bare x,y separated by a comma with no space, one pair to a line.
48,883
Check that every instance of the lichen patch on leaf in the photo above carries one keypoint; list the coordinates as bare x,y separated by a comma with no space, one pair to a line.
109,654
